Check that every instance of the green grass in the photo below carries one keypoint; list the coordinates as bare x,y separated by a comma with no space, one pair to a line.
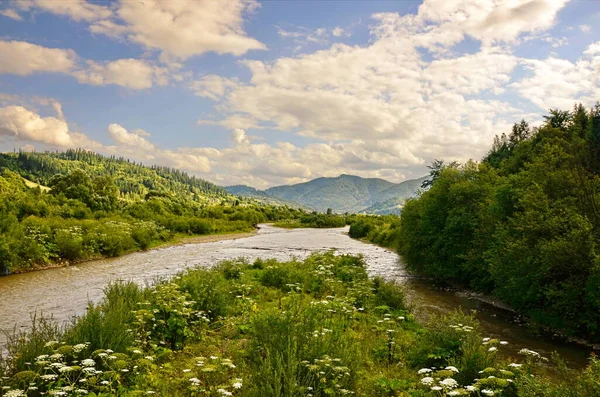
318,327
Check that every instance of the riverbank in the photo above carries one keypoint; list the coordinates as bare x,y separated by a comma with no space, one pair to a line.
317,327
177,240
510,314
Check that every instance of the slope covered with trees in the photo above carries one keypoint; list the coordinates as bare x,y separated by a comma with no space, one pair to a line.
94,206
523,224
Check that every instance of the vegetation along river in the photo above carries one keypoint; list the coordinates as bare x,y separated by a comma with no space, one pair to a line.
64,292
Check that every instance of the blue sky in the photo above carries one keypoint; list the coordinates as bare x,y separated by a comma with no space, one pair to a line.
277,92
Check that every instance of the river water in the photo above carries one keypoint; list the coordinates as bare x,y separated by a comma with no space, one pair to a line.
65,292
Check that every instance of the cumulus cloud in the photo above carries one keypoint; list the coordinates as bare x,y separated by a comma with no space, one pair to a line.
558,83
383,109
132,139
22,58
182,29
131,73
25,125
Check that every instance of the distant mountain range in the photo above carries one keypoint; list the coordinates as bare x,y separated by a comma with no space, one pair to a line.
345,193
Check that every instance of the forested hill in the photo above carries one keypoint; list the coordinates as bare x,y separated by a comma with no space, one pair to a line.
524,224
346,193
134,181
90,206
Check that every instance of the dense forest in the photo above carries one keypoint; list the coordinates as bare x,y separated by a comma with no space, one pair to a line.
76,205
523,224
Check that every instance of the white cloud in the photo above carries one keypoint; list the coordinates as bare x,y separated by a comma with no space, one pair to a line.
132,139
12,14
26,125
182,29
339,32
212,86
302,36
78,10
131,73
440,24
22,58
585,28
558,83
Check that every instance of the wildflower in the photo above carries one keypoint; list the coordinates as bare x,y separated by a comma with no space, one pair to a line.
51,343
213,357
49,377
65,369
503,342
449,383
401,318
149,358
492,349
529,352
88,362
486,339
424,371
80,347
515,365
488,392
195,381
470,388
187,370
15,393
427,380
124,370
451,368
237,385
224,392
436,388
104,382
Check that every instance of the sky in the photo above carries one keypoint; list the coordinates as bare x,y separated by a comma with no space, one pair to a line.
266,93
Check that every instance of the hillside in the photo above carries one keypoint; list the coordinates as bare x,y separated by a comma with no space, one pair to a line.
134,181
66,207
346,193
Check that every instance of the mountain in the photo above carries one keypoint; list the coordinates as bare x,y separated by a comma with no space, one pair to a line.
345,193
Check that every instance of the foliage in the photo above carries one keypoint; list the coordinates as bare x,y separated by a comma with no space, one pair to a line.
321,329
522,225
98,206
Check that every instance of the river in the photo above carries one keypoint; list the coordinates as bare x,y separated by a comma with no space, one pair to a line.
65,292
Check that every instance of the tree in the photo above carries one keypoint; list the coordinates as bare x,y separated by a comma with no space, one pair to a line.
436,168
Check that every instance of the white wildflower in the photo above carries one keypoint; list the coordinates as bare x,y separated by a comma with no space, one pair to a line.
427,380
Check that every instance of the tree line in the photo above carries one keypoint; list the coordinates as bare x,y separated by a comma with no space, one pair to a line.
523,224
